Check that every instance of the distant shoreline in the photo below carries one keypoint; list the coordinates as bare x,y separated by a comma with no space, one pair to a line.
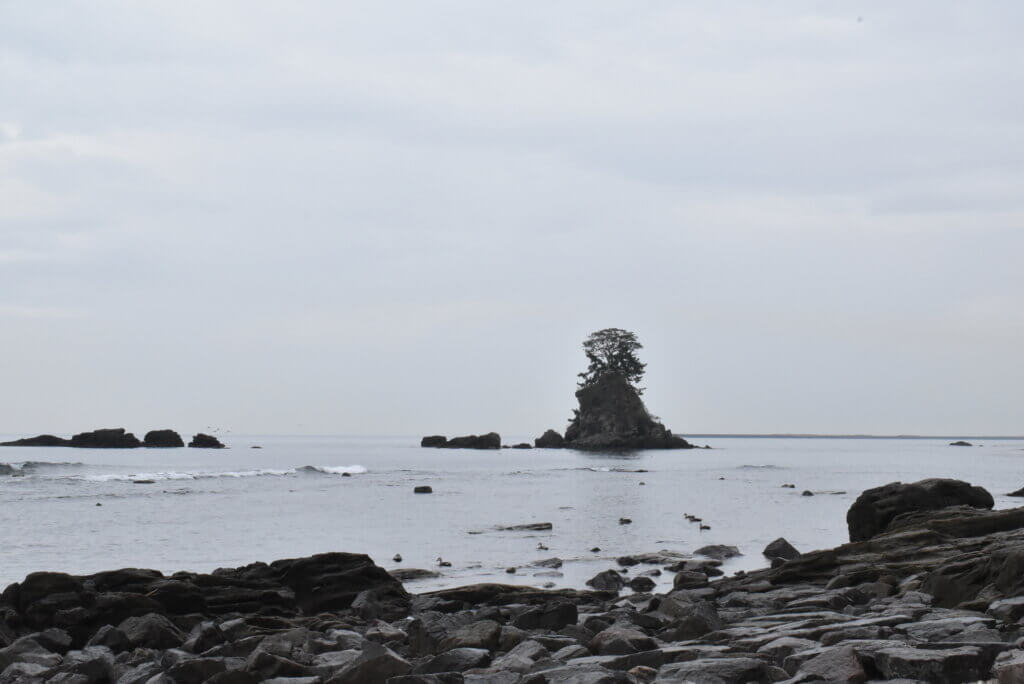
816,436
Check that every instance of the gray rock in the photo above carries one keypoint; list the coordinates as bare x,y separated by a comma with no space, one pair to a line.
482,634
151,631
934,665
728,669
111,637
196,670
455,660
780,548
718,551
376,665
609,580
551,616
839,664
620,640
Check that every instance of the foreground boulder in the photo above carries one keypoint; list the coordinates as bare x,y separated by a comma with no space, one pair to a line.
286,588
162,439
204,441
114,438
876,508
612,416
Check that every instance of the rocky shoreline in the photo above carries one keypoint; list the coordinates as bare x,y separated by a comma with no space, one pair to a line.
934,594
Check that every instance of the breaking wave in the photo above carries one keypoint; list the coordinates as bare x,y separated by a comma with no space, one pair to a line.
164,476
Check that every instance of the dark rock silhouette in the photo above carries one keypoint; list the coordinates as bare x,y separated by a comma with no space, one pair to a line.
162,439
112,438
876,508
204,441
549,440
434,441
492,440
780,548
40,441
612,416
960,443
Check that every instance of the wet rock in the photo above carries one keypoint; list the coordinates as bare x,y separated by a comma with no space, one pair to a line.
375,665
876,508
718,551
40,441
933,665
204,441
162,439
549,440
491,440
151,631
551,616
686,579
780,548
412,574
527,527
620,640
455,660
642,584
482,634
609,580
113,438
715,670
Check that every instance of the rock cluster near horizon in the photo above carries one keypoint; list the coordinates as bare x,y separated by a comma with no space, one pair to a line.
934,597
491,440
119,438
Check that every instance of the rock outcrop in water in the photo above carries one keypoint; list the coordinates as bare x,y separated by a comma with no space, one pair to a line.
935,597
112,438
39,441
204,441
162,439
491,440
612,416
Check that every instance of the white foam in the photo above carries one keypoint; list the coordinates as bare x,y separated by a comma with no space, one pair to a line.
339,470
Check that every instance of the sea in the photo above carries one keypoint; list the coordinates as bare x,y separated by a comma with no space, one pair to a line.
86,510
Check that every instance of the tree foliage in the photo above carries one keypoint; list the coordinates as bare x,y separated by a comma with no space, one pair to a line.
612,350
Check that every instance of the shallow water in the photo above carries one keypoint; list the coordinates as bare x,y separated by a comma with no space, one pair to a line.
225,508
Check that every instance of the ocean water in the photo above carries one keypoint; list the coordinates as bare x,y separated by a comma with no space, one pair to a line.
224,508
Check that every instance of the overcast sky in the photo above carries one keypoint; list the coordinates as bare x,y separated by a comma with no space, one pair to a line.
405,217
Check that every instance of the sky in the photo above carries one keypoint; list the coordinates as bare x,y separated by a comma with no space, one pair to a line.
405,217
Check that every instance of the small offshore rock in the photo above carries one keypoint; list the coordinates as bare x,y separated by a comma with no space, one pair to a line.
434,441
807,492
549,440
423,489
718,551
204,441
960,442
162,439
